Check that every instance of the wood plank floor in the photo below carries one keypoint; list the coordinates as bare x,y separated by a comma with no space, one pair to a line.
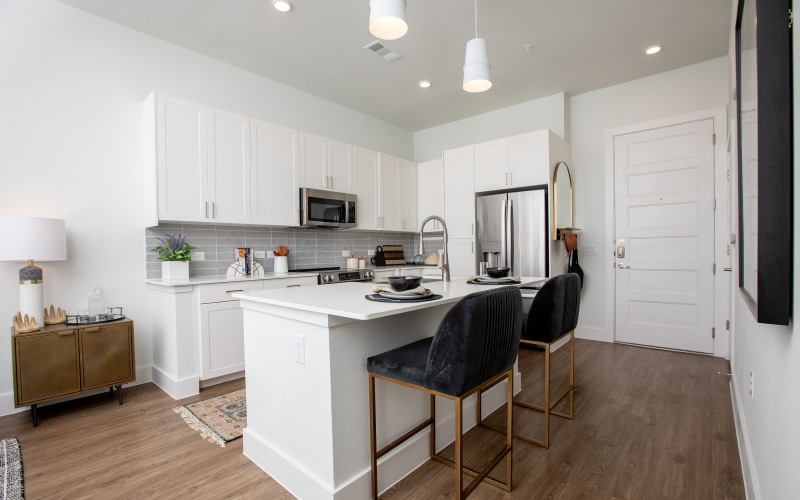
648,424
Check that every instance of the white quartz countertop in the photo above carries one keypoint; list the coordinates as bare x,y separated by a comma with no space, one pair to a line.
204,280
347,299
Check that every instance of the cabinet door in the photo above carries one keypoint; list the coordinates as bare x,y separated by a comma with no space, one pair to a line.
46,366
491,166
313,162
222,338
430,192
274,174
340,167
365,163
181,159
389,195
461,255
409,196
459,192
107,356
528,163
228,167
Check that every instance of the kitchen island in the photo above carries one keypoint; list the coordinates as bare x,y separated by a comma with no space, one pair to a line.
306,353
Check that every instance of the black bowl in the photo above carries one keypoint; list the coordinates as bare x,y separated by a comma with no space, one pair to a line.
403,283
497,272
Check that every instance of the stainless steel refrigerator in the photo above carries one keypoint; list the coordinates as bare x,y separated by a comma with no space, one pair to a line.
512,231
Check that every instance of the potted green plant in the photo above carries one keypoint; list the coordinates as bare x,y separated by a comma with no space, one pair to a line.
174,253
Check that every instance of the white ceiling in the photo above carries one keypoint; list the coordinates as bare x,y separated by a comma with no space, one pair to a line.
576,46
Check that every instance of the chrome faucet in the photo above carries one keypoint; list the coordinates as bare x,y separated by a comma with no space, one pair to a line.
443,262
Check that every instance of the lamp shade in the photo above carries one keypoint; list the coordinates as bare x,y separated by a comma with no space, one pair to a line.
32,238
477,71
387,19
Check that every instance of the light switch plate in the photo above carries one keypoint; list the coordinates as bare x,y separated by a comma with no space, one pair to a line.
198,256
260,254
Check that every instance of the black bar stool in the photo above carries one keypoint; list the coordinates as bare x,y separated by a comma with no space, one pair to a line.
553,314
476,343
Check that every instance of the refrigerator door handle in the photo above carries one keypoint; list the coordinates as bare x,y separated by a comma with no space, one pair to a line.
503,234
510,233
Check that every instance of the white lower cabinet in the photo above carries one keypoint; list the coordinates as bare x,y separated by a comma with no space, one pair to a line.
221,323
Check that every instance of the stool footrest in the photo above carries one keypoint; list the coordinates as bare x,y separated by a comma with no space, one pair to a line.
397,442
479,475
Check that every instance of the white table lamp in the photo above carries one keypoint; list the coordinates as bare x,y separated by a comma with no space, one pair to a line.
28,239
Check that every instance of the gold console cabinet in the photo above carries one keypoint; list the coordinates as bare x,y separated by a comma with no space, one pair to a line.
62,360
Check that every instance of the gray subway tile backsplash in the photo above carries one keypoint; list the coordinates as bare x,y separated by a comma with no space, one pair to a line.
307,247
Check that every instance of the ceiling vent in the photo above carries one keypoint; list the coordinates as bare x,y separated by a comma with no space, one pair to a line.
382,50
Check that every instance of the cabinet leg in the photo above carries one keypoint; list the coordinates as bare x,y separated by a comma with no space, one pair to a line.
111,390
119,391
34,416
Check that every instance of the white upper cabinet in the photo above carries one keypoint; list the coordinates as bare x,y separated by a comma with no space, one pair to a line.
513,162
228,167
430,192
202,162
459,192
529,157
180,155
491,166
326,164
365,164
389,194
274,174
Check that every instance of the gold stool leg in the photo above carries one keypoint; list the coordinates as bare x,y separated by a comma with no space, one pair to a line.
458,457
373,460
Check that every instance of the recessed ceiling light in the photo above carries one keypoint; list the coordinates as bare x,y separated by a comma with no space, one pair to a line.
424,84
282,5
653,49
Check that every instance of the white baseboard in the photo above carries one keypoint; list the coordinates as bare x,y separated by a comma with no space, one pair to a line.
391,468
749,474
221,379
178,389
593,333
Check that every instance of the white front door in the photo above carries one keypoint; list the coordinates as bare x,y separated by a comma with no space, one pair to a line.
664,236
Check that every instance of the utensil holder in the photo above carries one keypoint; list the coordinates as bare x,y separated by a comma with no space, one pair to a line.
281,264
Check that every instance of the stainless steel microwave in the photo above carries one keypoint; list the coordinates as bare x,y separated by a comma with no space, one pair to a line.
320,208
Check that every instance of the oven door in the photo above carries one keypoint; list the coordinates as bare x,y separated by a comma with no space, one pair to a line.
326,208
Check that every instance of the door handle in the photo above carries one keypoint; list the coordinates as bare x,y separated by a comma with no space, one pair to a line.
729,269
623,266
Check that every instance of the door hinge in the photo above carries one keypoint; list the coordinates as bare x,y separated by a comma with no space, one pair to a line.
727,324
713,333
791,18
729,175
715,203
713,139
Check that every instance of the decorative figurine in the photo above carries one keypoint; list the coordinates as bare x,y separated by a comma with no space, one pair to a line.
54,316
26,324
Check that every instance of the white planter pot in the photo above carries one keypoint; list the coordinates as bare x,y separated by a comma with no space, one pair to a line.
174,271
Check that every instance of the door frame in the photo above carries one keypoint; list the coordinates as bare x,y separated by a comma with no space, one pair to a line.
722,231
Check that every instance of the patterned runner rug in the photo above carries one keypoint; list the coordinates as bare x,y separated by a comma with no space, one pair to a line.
11,483
220,419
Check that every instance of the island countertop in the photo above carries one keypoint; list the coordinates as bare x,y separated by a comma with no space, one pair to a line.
348,300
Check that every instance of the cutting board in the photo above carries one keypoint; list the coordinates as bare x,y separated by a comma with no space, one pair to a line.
394,255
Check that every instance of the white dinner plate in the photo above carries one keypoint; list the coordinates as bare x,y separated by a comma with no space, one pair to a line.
400,295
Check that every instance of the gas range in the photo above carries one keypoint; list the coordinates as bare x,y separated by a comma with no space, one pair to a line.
331,275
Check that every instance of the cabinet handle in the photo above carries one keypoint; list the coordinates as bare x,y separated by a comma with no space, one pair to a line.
511,178
291,286
506,178
206,212
472,229
213,210
233,291
89,330
472,247
71,332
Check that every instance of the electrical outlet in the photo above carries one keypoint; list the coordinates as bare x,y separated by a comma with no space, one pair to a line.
370,253
300,349
592,250
260,254
198,256
752,384
345,253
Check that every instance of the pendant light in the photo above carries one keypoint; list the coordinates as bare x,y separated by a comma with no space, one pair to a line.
387,19
477,71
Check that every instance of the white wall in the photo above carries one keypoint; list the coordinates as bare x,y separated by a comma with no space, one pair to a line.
686,90
770,431
71,87
547,112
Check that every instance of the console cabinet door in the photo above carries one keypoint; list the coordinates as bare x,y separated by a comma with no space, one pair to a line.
107,355
46,366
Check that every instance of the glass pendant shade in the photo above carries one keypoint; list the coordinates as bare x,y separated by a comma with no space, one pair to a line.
477,71
387,19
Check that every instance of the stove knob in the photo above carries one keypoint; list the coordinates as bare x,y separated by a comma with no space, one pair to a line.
330,278
326,278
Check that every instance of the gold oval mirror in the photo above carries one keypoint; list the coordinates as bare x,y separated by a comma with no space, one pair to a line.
562,198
